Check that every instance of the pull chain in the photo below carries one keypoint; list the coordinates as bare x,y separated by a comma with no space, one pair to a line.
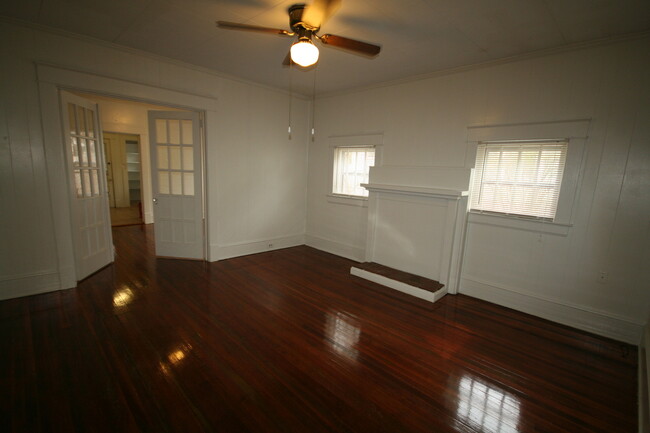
313,107
290,96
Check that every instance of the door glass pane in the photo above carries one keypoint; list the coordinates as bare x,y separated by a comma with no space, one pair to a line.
177,183
188,158
163,157
86,184
174,132
186,127
77,183
95,182
175,157
75,151
92,153
90,122
71,118
188,183
163,182
161,131
83,151
81,119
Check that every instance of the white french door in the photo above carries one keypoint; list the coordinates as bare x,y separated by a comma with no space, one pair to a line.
91,225
177,184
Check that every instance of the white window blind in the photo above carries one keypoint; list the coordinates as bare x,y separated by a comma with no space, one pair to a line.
519,178
351,168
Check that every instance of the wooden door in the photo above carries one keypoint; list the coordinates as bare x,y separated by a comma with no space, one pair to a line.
177,184
93,242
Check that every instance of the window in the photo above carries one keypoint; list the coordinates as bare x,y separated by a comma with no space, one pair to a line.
351,168
519,178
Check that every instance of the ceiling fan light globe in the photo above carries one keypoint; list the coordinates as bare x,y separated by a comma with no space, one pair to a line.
304,53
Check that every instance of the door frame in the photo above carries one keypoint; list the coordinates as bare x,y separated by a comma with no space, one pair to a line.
53,79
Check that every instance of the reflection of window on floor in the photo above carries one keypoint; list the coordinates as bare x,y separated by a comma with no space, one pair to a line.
343,334
486,409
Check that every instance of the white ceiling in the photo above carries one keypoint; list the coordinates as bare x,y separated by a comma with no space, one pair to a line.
417,36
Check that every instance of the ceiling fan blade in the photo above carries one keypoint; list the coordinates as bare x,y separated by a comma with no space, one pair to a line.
319,11
351,45
247,27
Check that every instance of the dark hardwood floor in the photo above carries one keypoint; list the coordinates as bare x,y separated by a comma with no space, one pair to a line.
289,341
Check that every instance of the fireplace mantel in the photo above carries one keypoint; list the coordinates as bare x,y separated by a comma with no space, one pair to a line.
444,193
416,221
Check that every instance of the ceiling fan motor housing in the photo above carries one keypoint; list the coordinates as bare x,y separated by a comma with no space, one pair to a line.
295,20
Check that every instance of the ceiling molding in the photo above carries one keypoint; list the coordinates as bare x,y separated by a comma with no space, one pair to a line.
505,60
134,51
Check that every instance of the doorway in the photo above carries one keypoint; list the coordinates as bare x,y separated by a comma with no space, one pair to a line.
51,81
124,178
153,165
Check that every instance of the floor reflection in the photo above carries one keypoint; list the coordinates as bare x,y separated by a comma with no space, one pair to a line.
486,408
175,357
343,334
122,297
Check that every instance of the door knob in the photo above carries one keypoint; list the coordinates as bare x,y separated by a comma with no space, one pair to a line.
155,200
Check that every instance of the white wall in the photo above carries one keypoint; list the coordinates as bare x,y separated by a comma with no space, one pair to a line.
424,124
252,166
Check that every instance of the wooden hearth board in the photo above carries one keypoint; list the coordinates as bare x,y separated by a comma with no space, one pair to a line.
411,284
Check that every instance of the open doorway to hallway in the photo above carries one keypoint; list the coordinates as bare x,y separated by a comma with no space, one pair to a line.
125,128
123,178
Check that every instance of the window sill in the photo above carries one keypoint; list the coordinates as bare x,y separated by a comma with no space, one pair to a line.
350,200
519,223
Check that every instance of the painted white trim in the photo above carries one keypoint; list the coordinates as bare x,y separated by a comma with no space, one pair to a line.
642,389
122,89
350,200
150,55
576,46
448,194
399,286
513,222
50,80
555,129
348,251
644,381
15,286
227,251
591,320
357,140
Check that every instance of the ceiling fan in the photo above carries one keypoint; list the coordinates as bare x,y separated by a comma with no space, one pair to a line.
305,22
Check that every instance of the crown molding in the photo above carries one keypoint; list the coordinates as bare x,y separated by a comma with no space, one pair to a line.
576,46
142,53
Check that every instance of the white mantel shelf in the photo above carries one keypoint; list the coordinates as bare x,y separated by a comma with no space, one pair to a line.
449,194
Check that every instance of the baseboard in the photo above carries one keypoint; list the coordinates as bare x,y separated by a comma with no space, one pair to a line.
16,286
398,285
334,247
221,252
644,383
597,322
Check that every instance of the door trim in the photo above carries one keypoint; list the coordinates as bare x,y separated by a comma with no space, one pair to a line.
53,78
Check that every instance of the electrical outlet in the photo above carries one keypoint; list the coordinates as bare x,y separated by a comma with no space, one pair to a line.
602,276
270,245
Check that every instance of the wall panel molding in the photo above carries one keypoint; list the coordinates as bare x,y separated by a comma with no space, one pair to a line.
227,251
348,251
14,286
576,316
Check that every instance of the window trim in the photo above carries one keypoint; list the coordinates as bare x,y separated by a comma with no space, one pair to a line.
574,131
360,140
334,167
516,145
